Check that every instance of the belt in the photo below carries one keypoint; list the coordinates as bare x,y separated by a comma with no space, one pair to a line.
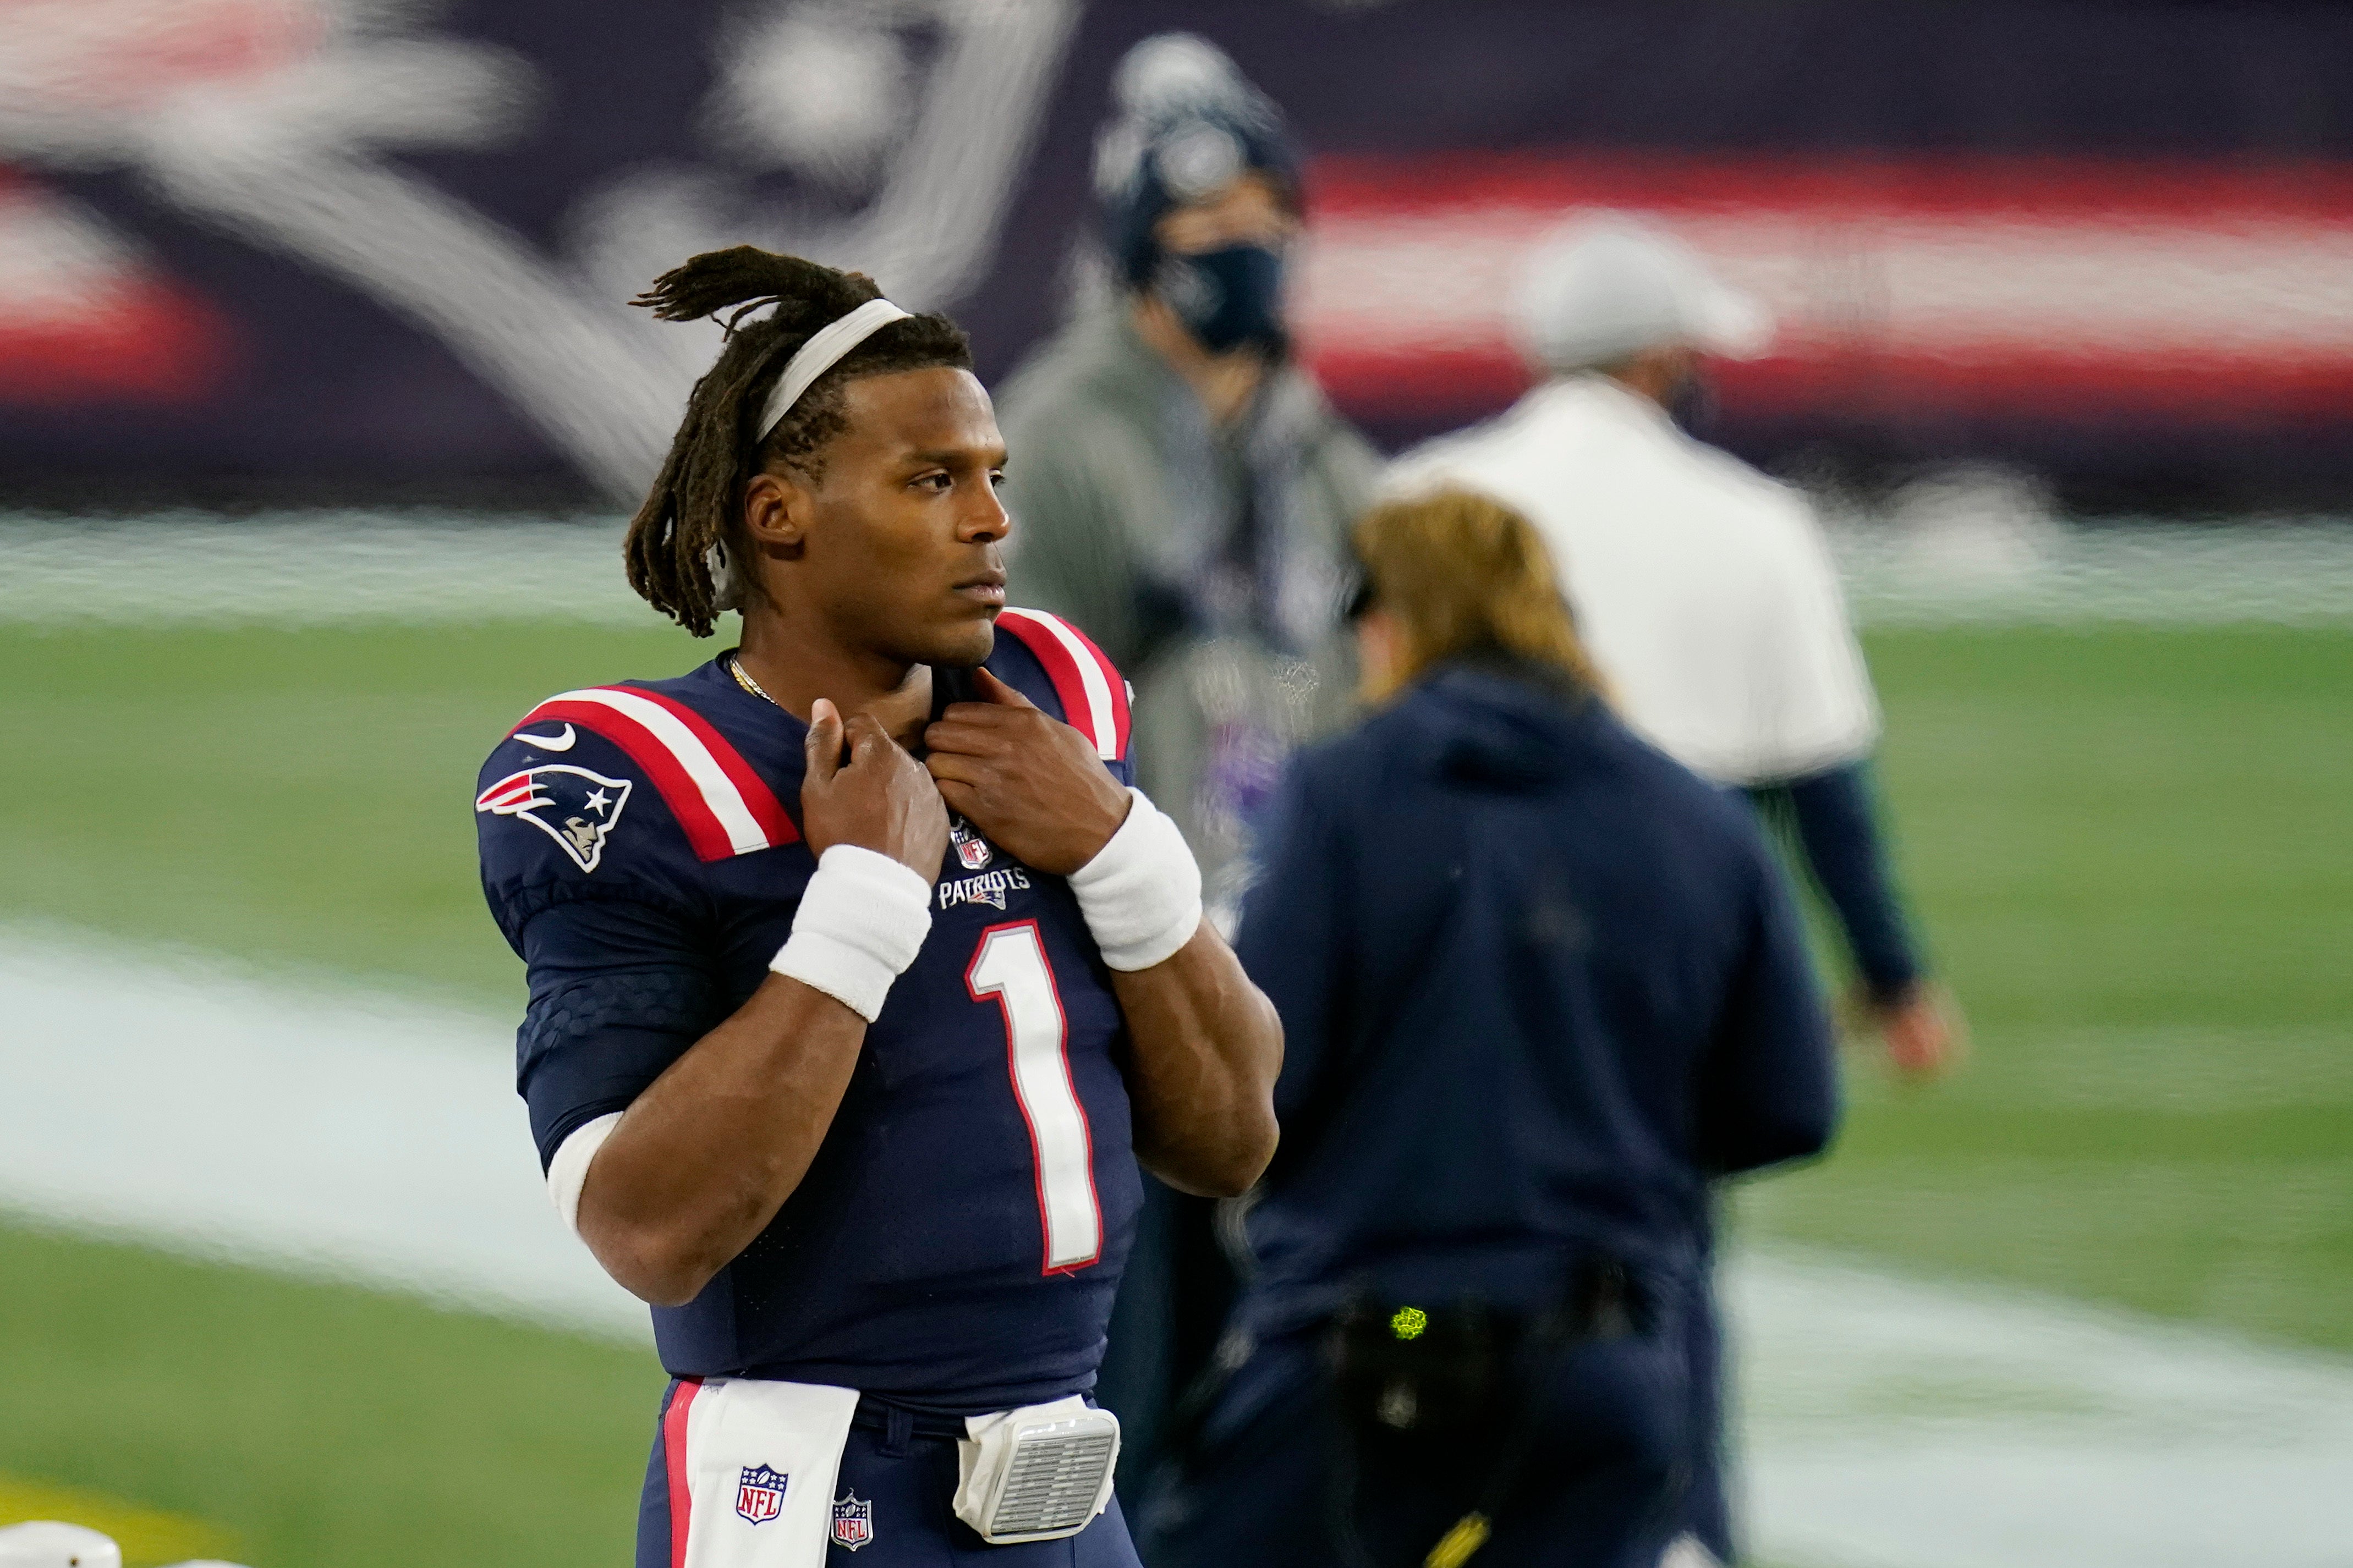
898,1423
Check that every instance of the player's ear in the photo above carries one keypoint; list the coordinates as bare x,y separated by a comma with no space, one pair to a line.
777,508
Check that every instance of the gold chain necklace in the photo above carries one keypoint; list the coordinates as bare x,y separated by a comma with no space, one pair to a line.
744,678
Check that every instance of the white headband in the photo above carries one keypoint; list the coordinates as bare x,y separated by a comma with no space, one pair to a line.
821,353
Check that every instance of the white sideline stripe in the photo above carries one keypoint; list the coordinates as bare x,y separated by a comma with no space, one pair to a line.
1890,1423
338,1136
1099,717
743,832
400,568
1897,1424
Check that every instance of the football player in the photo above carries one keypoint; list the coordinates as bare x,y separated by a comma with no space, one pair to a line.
840,1058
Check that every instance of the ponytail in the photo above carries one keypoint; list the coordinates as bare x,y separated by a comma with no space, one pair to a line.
685,551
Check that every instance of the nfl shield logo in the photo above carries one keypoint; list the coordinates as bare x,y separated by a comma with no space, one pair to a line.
853,1522
970,847
760,1493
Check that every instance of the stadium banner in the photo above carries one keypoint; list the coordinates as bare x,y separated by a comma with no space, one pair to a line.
1979,285
268,251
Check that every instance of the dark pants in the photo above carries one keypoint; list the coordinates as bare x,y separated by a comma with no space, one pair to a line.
910,1484
1707,1513
1276,1481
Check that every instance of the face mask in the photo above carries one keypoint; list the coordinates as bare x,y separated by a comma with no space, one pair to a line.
1226,297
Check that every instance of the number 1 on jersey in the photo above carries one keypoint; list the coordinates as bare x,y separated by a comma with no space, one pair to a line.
1010,967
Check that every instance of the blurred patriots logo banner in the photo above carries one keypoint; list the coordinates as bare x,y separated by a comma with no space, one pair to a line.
452,189
574,806
760,1493
853,1522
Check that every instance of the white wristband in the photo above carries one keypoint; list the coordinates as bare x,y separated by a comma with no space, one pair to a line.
1142,892
568,1171
863,919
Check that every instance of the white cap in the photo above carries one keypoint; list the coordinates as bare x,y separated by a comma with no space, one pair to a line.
1604,285
46,1544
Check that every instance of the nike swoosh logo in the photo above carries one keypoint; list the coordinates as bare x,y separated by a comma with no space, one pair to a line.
549,742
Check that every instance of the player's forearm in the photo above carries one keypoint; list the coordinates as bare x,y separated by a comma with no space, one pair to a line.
1208,1048
705,1158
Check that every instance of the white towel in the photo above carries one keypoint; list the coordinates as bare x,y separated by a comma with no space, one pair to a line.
761,1461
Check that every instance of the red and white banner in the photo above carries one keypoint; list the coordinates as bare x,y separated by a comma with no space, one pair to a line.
85,316
2008,287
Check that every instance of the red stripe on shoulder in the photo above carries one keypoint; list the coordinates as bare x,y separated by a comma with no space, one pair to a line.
713,811
1061,668
1100,713
679,790
758,798
1112,679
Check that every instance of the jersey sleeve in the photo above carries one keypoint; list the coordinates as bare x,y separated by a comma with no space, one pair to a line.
1768,1088
563,815
618,992
1060,668
1292,941
597,887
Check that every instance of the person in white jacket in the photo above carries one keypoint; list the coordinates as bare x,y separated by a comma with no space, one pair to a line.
1705,595
1703,589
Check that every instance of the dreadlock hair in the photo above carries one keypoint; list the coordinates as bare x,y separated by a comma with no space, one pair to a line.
686,550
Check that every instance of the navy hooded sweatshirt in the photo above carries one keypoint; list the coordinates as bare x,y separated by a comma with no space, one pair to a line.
1539,985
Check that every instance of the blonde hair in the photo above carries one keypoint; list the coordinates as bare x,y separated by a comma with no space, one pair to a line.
1465,576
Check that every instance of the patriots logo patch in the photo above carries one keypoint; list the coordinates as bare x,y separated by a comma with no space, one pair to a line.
577,808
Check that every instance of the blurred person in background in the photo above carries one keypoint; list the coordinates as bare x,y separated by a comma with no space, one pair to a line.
1539,986
1703,589
1183,486
1707,595
1182,492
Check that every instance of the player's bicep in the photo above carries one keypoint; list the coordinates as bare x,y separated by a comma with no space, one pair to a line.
619,990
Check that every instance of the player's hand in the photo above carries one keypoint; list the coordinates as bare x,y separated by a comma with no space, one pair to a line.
1924,1031
880,799
1029,782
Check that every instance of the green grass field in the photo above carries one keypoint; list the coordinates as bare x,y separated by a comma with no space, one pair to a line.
2129,848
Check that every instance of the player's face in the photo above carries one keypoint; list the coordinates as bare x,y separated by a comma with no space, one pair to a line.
903,550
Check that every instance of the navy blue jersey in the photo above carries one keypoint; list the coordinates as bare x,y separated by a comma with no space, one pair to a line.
1538,984
958,1240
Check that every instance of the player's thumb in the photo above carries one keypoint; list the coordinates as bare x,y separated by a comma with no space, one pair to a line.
870,745
824,742
996,691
